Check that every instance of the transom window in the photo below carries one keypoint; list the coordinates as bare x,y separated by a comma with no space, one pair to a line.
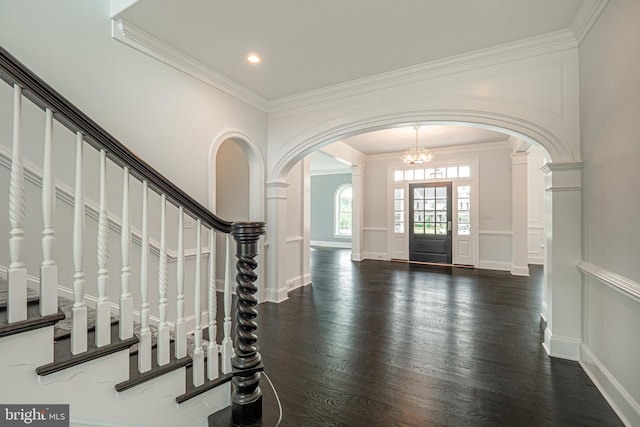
423,174
343,210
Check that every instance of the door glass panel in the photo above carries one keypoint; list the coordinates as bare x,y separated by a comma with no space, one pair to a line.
430,217
418,216
429,192
418,228
418,205
463,204
418,193
441,228
464,229
441,192
441,204
398,227
429,228
464,191
399,217
441,216
398,193
398,205
430,205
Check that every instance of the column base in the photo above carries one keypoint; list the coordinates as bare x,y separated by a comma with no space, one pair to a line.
247,414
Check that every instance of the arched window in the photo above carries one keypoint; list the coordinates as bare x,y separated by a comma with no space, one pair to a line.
342,209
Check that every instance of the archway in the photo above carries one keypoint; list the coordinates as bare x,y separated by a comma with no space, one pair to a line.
561,309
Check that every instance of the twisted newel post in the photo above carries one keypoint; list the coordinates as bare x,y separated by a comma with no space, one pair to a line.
246,405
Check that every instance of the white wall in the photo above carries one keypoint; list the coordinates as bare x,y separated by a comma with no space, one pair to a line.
610,108
298,232
151,107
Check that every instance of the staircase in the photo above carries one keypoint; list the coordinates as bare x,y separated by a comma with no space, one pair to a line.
118,354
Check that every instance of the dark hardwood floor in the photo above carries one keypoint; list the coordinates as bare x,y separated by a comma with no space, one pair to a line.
391,344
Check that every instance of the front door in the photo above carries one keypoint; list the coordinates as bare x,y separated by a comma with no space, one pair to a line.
430,222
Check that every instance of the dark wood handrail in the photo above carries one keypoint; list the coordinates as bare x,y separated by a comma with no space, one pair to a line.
40,93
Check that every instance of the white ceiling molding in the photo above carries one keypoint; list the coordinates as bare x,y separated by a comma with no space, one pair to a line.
344,151
546,43
586,17
137,38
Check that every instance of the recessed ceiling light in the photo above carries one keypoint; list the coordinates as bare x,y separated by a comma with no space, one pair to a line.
253,58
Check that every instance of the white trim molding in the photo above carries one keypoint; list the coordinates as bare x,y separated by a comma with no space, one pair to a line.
139,39
327,244
621,284
623,404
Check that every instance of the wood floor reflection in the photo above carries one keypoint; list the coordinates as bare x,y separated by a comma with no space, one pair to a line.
390,344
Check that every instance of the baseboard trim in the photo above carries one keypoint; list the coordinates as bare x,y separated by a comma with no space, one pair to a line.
383,256
277,295
520,270
543,311
494,265
627,409
561,347
326,244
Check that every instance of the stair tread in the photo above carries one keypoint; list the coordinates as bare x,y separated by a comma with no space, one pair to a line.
34,321
193,391
137,378
63,358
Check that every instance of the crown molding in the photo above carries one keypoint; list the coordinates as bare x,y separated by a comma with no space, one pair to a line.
139,39
587,15
526,48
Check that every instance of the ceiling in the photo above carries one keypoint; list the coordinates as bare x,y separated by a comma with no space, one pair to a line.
307,45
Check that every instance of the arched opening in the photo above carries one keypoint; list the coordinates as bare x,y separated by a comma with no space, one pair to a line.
562,196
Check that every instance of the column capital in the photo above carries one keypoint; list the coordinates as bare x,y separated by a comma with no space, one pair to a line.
277,189
565,176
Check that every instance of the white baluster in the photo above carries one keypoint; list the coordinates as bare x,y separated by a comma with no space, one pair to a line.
144,345
79,310
17,302
126,299
212,349
181,328
49,269
163,328
227,343
198,353
103,307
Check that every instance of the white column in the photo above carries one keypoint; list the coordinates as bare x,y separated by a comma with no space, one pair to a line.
357,188
49,269
306,222
17,302
126,299
79,310
198,353
144,345
519,215
277,240
227,342
103,307
163,350
563,285
212,349
181,327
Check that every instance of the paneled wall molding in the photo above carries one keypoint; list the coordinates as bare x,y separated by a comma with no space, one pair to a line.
587,16
380,229
618,283
295,239
65,194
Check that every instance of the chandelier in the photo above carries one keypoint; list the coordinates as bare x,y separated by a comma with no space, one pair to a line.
417,155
